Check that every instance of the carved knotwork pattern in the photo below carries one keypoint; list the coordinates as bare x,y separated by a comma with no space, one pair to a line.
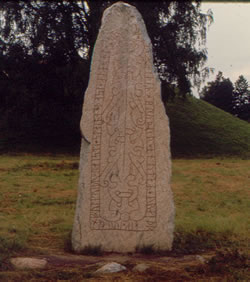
123,165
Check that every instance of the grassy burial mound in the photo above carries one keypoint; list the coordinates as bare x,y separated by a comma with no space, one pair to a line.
197,129
200,129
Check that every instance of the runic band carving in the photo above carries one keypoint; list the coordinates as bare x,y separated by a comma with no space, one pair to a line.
123,163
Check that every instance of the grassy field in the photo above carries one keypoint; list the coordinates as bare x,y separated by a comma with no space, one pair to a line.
38,194
211,177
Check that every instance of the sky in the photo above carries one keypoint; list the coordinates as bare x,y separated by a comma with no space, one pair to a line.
228,40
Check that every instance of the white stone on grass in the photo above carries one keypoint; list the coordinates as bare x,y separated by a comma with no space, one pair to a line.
111,267
29,263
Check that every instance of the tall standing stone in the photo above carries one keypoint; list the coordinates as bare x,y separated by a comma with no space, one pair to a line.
124,196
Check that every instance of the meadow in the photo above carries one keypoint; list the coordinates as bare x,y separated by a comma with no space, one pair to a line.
210,182
38,195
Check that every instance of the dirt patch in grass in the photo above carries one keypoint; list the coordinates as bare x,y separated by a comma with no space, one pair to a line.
210,266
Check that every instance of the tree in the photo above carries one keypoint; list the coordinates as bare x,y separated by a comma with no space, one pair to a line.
219,93
242,98
57,30
46,48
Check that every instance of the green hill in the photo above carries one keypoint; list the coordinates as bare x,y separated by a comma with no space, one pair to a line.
200,129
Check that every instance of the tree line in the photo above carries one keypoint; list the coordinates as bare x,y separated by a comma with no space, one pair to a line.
232,98
46,48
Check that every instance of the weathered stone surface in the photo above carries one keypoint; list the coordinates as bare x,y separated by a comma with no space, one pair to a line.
29,263
124,196
111,267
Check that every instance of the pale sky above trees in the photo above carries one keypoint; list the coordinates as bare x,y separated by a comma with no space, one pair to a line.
228,40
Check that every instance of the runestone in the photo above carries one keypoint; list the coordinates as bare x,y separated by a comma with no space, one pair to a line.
124,198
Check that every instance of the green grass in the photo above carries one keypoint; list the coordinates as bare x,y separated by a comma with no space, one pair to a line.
212,202
38,195
37,198
199,129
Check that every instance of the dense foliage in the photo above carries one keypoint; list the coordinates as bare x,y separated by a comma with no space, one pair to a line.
242,98
46,47
234,99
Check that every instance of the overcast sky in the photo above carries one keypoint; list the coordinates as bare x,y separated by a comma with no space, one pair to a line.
228,40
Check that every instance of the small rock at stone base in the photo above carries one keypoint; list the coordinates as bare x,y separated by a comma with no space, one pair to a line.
32,263
111,268
141,267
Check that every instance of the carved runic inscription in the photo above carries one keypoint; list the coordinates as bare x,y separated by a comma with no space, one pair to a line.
123,163
124,197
